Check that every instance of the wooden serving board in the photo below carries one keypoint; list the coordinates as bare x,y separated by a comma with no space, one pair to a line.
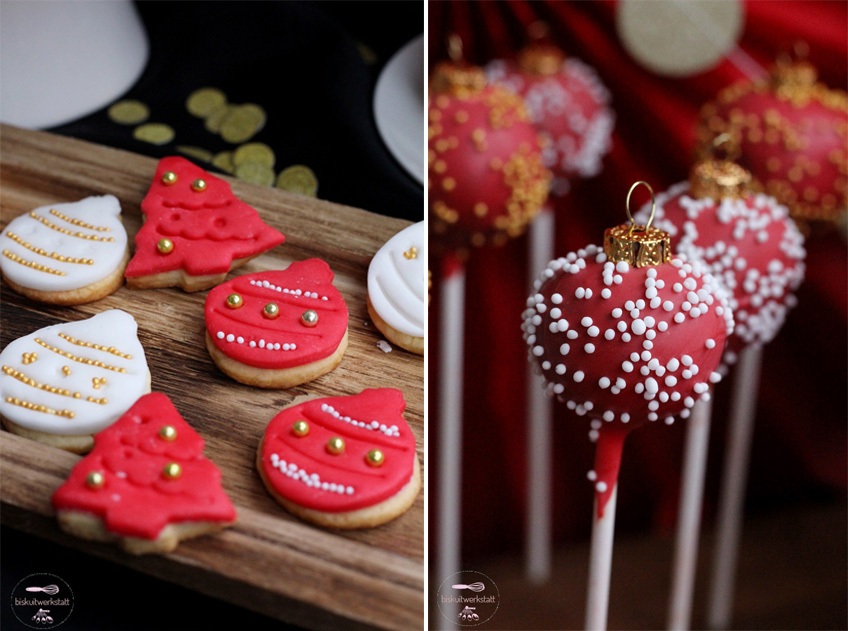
269,561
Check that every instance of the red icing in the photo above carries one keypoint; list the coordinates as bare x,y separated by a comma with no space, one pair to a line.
608,450
804,151
136,500
471,139
312,276
209,229
371,484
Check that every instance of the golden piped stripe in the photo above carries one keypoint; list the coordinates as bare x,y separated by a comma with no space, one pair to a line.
53,255
110,349
29,405
17,374
81,360
38,267
81,235
77,222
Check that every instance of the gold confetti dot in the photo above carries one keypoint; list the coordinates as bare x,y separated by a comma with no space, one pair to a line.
204,101
154,133
129,112
298,179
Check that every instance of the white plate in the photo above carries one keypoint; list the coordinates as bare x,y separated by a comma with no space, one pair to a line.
399,106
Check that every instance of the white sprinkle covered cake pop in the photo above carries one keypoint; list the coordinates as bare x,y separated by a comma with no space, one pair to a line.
626,334
745,240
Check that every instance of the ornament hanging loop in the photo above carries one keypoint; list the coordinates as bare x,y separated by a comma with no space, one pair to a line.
633,225
637,245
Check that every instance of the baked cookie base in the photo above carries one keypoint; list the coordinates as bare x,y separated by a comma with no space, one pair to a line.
78,444
406,342
184,280
369,517
89,526
82,295
279,378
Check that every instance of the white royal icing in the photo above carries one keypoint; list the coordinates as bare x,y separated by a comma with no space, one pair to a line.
397,281
62,247
74,378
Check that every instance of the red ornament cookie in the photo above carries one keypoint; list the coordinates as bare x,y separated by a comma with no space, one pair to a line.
342,462
195,230
277,329
146,484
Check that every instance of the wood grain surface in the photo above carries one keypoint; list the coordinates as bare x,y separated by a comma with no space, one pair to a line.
269,561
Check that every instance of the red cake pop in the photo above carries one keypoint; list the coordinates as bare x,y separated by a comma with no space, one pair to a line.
793,134
568,104
485,174
746,240
626,334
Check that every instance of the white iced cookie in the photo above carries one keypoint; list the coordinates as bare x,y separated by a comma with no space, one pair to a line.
66,382
397,288
66,254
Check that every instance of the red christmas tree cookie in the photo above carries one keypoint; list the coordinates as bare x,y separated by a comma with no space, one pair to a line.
342,462
146,484
195,230
280,328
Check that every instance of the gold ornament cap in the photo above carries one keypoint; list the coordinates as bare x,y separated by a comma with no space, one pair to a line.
456,77
718,179
636,245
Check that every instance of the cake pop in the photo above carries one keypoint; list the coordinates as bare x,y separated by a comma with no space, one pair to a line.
626,334
485,174
567,102
792,132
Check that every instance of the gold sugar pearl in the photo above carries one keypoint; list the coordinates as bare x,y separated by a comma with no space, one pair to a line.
165,246
198,186
300,428
96,382
411,253
271,310
172,471
335,446
66,371
234,301
28,358
169,178
375,458
168,432
95,480
309,318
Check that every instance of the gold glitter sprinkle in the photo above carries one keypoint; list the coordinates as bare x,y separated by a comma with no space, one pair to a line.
53,255
29,405
81,235
77,222
81,360
110,349
31,264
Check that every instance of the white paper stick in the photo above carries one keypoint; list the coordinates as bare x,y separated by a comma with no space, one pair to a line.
451,336
600,565
539,425
746,382
689,519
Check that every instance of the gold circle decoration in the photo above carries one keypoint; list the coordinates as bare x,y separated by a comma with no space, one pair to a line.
254,172
154,133
128,112
203,101
254,153
298,179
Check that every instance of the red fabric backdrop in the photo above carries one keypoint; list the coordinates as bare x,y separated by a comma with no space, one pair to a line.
800,438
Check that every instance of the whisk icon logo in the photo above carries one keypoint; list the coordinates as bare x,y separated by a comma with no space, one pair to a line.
42,601
468,598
